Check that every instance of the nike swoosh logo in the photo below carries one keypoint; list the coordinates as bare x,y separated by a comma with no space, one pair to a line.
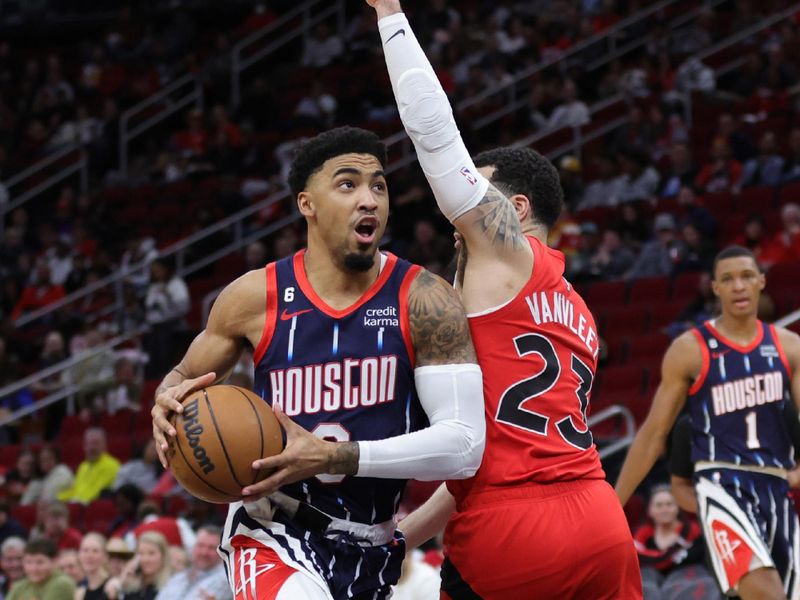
395,34
286,316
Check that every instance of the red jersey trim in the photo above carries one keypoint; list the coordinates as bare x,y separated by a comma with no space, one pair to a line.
779,346
701,377
271,313
321,305
745,349
530,284
405,325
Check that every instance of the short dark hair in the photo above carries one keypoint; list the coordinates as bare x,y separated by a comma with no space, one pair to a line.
733,252
42,545
525,171
342,140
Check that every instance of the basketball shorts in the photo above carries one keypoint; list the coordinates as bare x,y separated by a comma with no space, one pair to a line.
749,522
558,541
271,556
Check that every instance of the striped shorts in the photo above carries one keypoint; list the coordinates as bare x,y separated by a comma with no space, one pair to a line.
749,522
341,566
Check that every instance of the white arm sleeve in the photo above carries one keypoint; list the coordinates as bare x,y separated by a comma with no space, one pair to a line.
452,447
428,119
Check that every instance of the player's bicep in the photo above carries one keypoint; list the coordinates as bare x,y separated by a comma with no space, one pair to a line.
439,329
790,342
680,365
492,228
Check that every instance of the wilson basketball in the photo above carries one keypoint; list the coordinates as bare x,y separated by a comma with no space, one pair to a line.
222,430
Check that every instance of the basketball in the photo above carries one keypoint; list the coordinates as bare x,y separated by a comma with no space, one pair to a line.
222,430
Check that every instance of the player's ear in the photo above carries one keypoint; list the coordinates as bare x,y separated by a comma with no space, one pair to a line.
522,205
714,287
305,204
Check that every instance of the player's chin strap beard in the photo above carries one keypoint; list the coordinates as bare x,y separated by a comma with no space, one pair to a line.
360,263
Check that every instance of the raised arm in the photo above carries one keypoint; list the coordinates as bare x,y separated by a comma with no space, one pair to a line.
486,219
238,310
450,389
681,365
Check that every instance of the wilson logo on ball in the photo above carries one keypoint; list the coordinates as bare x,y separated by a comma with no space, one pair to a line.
193,431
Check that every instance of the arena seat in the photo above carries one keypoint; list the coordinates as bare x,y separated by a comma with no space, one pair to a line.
650,345
76,514
99,515
789,193
612,380
664,313
719,203
684,286
606,293
650,289
756,198
25,515
624,321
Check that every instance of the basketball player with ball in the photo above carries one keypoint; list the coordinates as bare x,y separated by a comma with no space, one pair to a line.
369,367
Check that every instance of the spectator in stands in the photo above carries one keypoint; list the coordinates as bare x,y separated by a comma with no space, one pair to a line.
192,142
605,189
791,168
54,519
125,389
428,246
94,563
785,245
97,471
166,303
699,251
9,526
38,294
681,172
612,259
12,551
722,173
728,127
225,140
694,76
690,210
205,578
142,471
67,563
572,112
671,551
179,558
579,264
119,554
146,574
54,477
634,227
659,257
255,256
176,530
767,167
19,478
322,48
53,352
569,170
753,236
127,500
317,109
638,179
702,307
42,578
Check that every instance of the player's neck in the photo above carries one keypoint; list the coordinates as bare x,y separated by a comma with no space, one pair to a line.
338,286
535,230
741,330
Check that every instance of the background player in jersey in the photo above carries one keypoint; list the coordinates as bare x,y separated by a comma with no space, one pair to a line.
355,346
538,520
737,372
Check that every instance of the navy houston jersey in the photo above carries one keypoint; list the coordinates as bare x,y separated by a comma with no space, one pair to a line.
737,401
344,375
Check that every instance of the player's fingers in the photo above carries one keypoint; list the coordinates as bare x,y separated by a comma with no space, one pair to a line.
190,385
271,463
290,427
161,421
167,402
263,488
161,445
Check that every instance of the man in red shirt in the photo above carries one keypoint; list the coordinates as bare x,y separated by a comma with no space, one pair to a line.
538,520
55,526
38,294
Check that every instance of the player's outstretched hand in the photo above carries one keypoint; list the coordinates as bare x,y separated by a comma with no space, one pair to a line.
304,456
168,401
385,7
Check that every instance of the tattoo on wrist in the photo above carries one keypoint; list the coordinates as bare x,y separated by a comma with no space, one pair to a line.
344,459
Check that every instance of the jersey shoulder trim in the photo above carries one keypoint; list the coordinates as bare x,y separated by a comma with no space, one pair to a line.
738,347
405,325
321,305
781,353
706,362
271,313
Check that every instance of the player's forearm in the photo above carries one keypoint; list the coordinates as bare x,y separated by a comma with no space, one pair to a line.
683,490
641,457
429,519
428,119
385,8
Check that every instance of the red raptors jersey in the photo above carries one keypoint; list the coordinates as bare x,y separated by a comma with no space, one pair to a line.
538,354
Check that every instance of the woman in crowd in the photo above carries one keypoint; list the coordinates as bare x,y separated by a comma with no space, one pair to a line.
94,562
53,478
145,574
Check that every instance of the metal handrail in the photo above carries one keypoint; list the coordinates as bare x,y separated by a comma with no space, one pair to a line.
630,428
240,64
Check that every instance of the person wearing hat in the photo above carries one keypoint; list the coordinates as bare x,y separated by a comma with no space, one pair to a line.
579,267
569,170
119,553
659,256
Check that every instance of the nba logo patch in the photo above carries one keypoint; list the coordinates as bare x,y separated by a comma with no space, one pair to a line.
468,175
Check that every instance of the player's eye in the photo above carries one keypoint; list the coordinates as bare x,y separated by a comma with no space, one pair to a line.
347,184
380,186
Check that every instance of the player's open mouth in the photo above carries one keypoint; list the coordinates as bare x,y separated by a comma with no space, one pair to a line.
742,302
366,230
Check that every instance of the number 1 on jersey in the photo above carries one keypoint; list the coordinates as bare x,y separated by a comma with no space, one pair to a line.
752,431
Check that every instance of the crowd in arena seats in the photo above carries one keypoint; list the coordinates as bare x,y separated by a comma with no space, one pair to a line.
648,206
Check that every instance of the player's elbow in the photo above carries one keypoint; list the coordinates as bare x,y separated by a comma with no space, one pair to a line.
426,111
469,442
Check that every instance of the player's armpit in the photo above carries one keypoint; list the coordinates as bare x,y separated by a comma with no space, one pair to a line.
439,328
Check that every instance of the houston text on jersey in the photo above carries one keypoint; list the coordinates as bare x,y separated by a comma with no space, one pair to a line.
747,392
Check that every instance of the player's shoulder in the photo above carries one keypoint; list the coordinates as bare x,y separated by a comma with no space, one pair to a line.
684,353
244,296
790,341
438,324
